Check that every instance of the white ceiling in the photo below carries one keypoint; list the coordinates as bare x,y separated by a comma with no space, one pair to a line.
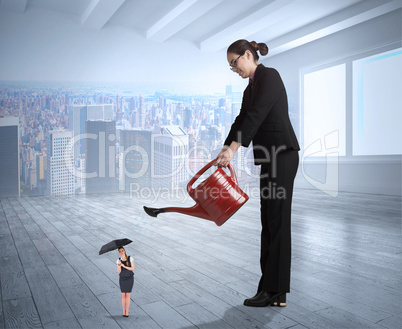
213,24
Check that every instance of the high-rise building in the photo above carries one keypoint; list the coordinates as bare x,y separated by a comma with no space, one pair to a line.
188,116
135,159
9,157
100,112
41,173
169,168
211,136
60,169
179,115
119,108
80,181
101,156
40,166
141,113
77,117
78,114
33,179
162,102
132,104
219,116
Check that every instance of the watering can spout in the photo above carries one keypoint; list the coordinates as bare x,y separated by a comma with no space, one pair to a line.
195,211
153,212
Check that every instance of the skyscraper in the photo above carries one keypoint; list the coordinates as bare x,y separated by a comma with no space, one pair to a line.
41,173
170,157
59,169
188,116
101,156
219,116
162,102
80,180
76,121
135,159
40,166
9,157
179,115
119,109
78,114
141,113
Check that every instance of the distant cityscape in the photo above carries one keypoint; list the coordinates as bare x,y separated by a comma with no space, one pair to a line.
67,139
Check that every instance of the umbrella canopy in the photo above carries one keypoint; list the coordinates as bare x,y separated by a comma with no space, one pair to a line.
113,245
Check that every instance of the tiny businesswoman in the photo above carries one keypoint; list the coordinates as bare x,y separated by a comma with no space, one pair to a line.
125,268
264,120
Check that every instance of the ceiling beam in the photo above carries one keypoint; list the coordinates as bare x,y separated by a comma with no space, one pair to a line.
169,17
246,26
17,6
99,12
349,17
179,18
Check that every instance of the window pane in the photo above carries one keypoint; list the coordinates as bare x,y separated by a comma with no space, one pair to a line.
325,110
377,104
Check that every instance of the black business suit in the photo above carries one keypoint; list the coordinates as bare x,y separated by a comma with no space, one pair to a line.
264,120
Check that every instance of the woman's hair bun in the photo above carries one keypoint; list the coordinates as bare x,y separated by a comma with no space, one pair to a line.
261,47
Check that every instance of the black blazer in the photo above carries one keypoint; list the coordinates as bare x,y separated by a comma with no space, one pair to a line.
264,117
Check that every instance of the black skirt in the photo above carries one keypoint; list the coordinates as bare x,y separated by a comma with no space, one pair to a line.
126,281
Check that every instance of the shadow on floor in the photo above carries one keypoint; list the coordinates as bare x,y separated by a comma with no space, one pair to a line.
235,318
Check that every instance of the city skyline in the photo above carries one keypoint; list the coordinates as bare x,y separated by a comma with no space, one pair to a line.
42,108
131,88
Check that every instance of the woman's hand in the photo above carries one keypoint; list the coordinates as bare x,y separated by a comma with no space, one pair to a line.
224,157
226,154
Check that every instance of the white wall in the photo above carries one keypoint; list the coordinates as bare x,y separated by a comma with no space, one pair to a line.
368,174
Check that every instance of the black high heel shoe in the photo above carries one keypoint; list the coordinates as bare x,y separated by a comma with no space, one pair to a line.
263,299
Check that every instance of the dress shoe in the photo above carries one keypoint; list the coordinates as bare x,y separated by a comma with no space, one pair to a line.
263,299
279,301
255,296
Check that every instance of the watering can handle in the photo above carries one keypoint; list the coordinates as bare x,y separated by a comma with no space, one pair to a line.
204,169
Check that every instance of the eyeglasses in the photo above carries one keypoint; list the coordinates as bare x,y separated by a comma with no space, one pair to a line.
234,64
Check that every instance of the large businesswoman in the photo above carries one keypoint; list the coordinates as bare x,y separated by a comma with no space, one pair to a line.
264,120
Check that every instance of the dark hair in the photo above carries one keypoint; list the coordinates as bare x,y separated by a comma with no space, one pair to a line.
239,47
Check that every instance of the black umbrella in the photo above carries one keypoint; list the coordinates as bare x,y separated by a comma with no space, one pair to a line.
113,245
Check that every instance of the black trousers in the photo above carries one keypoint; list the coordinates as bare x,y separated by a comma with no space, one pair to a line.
276,190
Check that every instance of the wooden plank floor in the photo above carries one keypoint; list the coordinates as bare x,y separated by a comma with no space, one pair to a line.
190,273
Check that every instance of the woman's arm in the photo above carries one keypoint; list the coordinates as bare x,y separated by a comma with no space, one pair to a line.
131,268
119,267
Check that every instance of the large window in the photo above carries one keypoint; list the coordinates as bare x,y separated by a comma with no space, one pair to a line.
354,106
377,104
324,109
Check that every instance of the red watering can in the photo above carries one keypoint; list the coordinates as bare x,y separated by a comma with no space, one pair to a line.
217,198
